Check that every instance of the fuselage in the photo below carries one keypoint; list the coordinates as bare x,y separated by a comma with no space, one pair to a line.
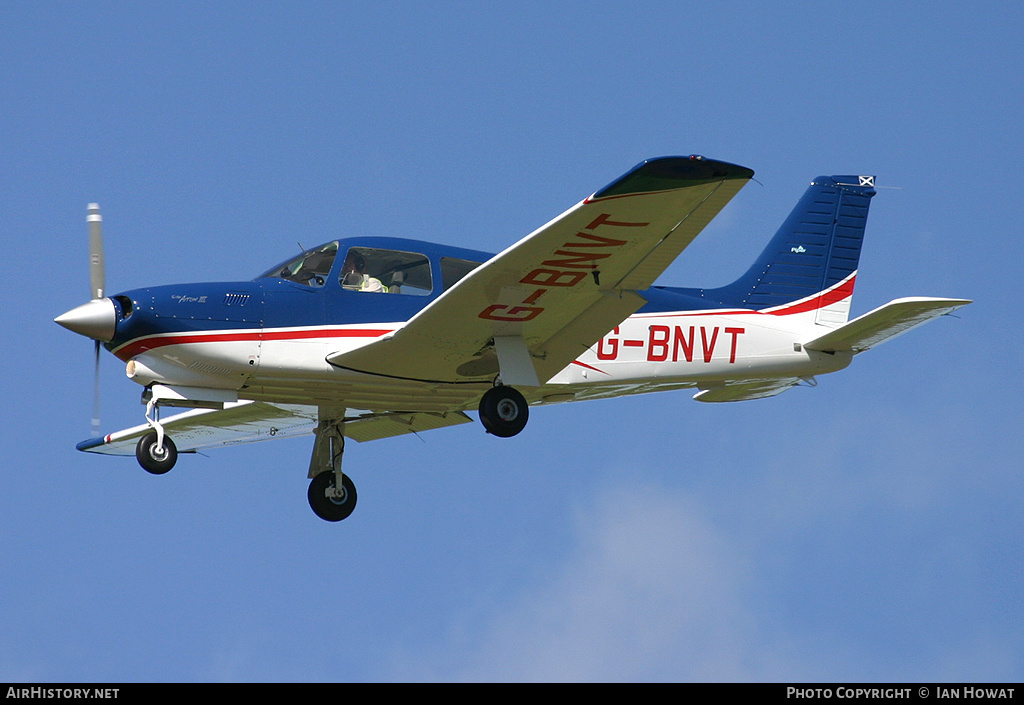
268,339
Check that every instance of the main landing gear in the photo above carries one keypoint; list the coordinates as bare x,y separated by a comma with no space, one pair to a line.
326,501
503,411
332,494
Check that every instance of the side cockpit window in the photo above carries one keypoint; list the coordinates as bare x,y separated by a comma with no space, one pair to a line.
311,268
370,269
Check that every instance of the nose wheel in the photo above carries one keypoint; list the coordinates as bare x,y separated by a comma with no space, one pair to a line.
154,457
503,411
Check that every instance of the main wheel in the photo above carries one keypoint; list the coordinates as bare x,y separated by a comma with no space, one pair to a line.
504,411
153,461
331,508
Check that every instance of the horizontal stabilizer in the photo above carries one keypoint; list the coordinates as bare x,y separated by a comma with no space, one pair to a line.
746,390
885,322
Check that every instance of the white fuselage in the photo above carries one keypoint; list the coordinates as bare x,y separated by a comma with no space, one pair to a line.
647,352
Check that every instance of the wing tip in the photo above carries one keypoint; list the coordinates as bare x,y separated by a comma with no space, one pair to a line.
90,443
666,173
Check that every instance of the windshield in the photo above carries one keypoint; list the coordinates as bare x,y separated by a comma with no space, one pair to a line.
309,269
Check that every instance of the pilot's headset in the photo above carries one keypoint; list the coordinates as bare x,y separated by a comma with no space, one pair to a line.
354,278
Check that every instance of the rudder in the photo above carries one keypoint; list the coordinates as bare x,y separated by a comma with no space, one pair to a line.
811,262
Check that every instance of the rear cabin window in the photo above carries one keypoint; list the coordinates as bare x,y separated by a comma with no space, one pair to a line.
373,270
453,269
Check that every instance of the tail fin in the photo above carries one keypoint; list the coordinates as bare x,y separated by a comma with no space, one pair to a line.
811,263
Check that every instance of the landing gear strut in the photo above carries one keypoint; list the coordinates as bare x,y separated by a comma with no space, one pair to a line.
155,452
503,411
332,494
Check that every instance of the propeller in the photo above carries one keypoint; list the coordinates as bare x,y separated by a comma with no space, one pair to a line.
98,283
98,318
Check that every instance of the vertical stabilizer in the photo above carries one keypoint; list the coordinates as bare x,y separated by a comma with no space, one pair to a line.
811,262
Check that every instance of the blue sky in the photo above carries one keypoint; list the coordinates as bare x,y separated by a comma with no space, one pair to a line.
867,529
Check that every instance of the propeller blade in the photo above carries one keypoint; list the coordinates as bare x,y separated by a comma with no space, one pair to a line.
97,272
96,395
98,284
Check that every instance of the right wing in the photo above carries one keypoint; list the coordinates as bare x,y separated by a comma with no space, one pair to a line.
251,421
534,308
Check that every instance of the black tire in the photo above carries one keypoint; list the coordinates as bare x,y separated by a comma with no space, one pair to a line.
504,411
329,508
151,461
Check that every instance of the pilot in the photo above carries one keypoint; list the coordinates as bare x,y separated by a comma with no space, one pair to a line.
354,276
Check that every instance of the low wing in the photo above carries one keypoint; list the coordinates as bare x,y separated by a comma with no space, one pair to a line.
534,308
248,421
884,323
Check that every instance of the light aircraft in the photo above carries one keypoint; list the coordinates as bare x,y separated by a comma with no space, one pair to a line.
370,337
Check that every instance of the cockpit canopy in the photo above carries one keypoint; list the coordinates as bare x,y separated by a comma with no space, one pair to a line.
370,269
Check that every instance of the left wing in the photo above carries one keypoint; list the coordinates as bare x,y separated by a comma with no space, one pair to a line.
249,421
534,308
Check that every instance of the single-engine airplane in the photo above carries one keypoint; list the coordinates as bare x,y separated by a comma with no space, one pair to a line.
371,337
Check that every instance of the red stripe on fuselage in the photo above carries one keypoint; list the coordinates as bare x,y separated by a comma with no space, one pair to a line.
136,347
583,364
825,298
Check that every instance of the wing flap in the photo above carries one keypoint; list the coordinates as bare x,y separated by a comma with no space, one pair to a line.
745,391
884,323
377,427
563,286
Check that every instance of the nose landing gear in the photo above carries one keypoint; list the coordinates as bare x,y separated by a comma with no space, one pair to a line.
155,452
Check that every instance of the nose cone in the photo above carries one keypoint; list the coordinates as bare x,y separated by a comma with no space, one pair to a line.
96,319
